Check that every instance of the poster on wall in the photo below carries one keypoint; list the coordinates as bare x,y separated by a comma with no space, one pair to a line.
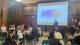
29,10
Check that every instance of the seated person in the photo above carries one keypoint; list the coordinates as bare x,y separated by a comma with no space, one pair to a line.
57,39
9,40
26,34
39,31
72,30
20,35
77,38
18,27
54,42
3,31
51,35
34,34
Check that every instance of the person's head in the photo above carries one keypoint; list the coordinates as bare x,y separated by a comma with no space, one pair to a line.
11,25
19,31
11,33
14,32
23,25
55,20
30,25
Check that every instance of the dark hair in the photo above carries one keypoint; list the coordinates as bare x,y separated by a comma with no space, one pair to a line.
11,31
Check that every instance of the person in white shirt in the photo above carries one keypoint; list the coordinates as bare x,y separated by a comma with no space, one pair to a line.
39,31
20,35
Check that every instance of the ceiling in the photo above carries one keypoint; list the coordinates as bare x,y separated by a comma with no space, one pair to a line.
34,1
29,1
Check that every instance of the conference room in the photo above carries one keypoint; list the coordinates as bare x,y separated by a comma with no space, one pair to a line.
39,22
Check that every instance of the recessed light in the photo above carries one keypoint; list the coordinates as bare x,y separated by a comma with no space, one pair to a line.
18,0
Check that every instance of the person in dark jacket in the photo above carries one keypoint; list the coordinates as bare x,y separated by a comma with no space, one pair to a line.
54,42
51,35
77,40
34,34
9,40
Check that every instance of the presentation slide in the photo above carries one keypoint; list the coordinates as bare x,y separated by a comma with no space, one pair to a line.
49,12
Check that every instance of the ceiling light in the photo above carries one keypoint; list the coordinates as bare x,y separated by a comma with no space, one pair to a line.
18,0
